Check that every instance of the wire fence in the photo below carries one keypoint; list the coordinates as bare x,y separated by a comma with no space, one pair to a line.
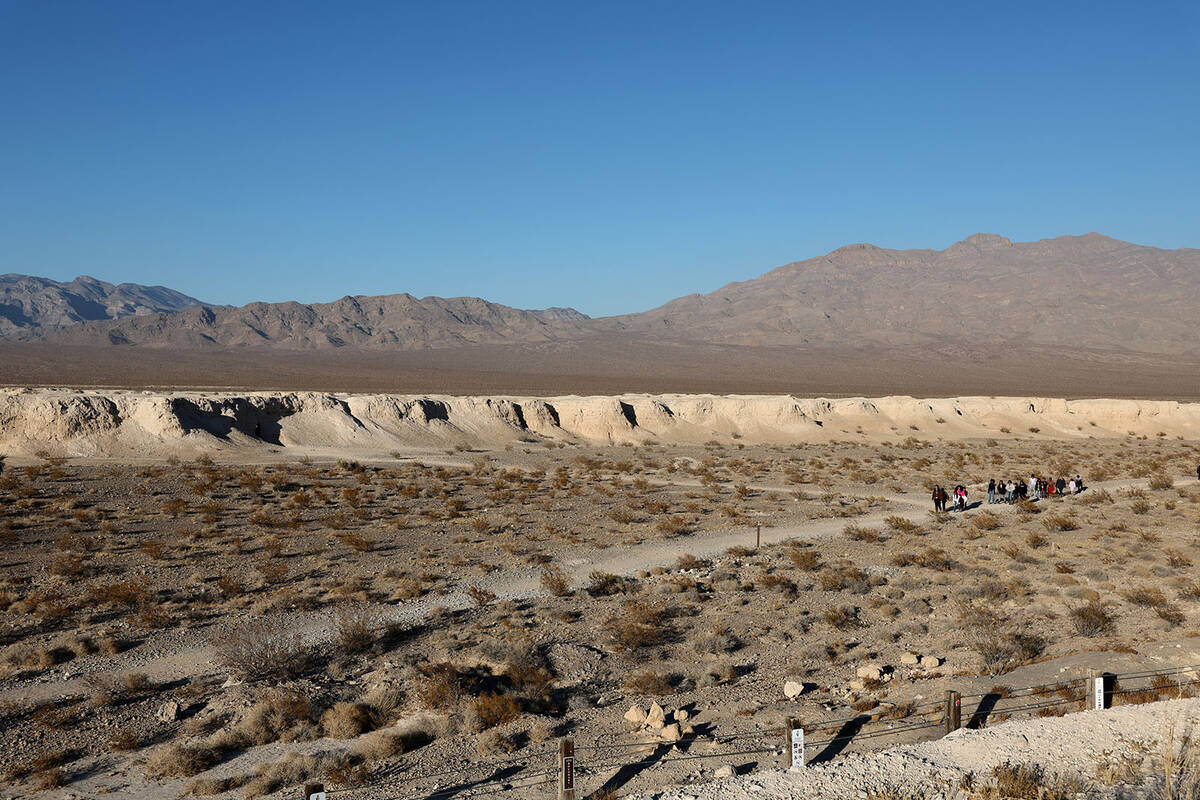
597,760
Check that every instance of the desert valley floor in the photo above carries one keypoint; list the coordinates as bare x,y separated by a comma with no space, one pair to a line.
220,614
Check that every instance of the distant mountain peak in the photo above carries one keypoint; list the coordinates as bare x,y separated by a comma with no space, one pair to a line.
981,240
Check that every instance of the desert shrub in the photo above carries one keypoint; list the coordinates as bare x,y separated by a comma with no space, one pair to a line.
1060,522
1175,558
409,734
1170,614
673,526
902,524
985,521
480,596
356,541
1139,506
177,760
1150,596
605,584
717,642
264,649
687,561
998,641
354,627
493,709
808,560
1092,619
1160,481
641,625
860,534
844,577
278,715
347,720
1036,540
842,617
648,683
554,581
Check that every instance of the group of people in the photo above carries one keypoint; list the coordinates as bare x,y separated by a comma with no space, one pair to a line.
1010,491
1034,489
941,498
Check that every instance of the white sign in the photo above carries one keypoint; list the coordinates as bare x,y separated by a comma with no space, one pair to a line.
1098,692
797,748
317,796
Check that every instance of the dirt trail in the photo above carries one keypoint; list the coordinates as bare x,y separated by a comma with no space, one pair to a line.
180,662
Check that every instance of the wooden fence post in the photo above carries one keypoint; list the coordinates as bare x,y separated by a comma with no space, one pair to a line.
795,744
953,710
758,537
566,769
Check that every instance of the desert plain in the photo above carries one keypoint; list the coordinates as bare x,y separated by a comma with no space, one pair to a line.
233,594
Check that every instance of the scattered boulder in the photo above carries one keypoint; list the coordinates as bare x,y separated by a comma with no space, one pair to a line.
681,716
635,716
656,718
870,672
725,771
168,711
910,659
671,733
792,689
930,662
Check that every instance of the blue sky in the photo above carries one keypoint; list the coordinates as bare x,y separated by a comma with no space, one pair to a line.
608,156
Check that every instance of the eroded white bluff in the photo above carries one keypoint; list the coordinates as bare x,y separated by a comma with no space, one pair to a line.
129,424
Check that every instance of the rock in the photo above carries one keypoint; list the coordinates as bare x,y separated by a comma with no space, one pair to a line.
681,716
910,659
635,716
671,733
930,662
726,771
656,718
857,686
792,689
168,711
870,672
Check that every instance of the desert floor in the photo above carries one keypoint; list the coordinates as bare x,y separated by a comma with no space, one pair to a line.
211,628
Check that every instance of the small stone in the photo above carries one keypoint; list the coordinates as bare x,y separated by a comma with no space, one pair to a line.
793,689
726,771
930,662
168,711
635,716
681,716
910,659
857,686
671,733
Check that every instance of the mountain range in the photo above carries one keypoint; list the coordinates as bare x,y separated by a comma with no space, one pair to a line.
1077,293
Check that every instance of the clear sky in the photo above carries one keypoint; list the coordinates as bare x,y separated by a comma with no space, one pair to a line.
604,155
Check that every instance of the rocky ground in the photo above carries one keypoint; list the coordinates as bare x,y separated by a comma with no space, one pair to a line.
209,628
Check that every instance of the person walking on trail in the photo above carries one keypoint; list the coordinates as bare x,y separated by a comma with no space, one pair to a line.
1072,486
991,491
1011,490
1033,487
1079,484
937,498
1062,486
945,497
